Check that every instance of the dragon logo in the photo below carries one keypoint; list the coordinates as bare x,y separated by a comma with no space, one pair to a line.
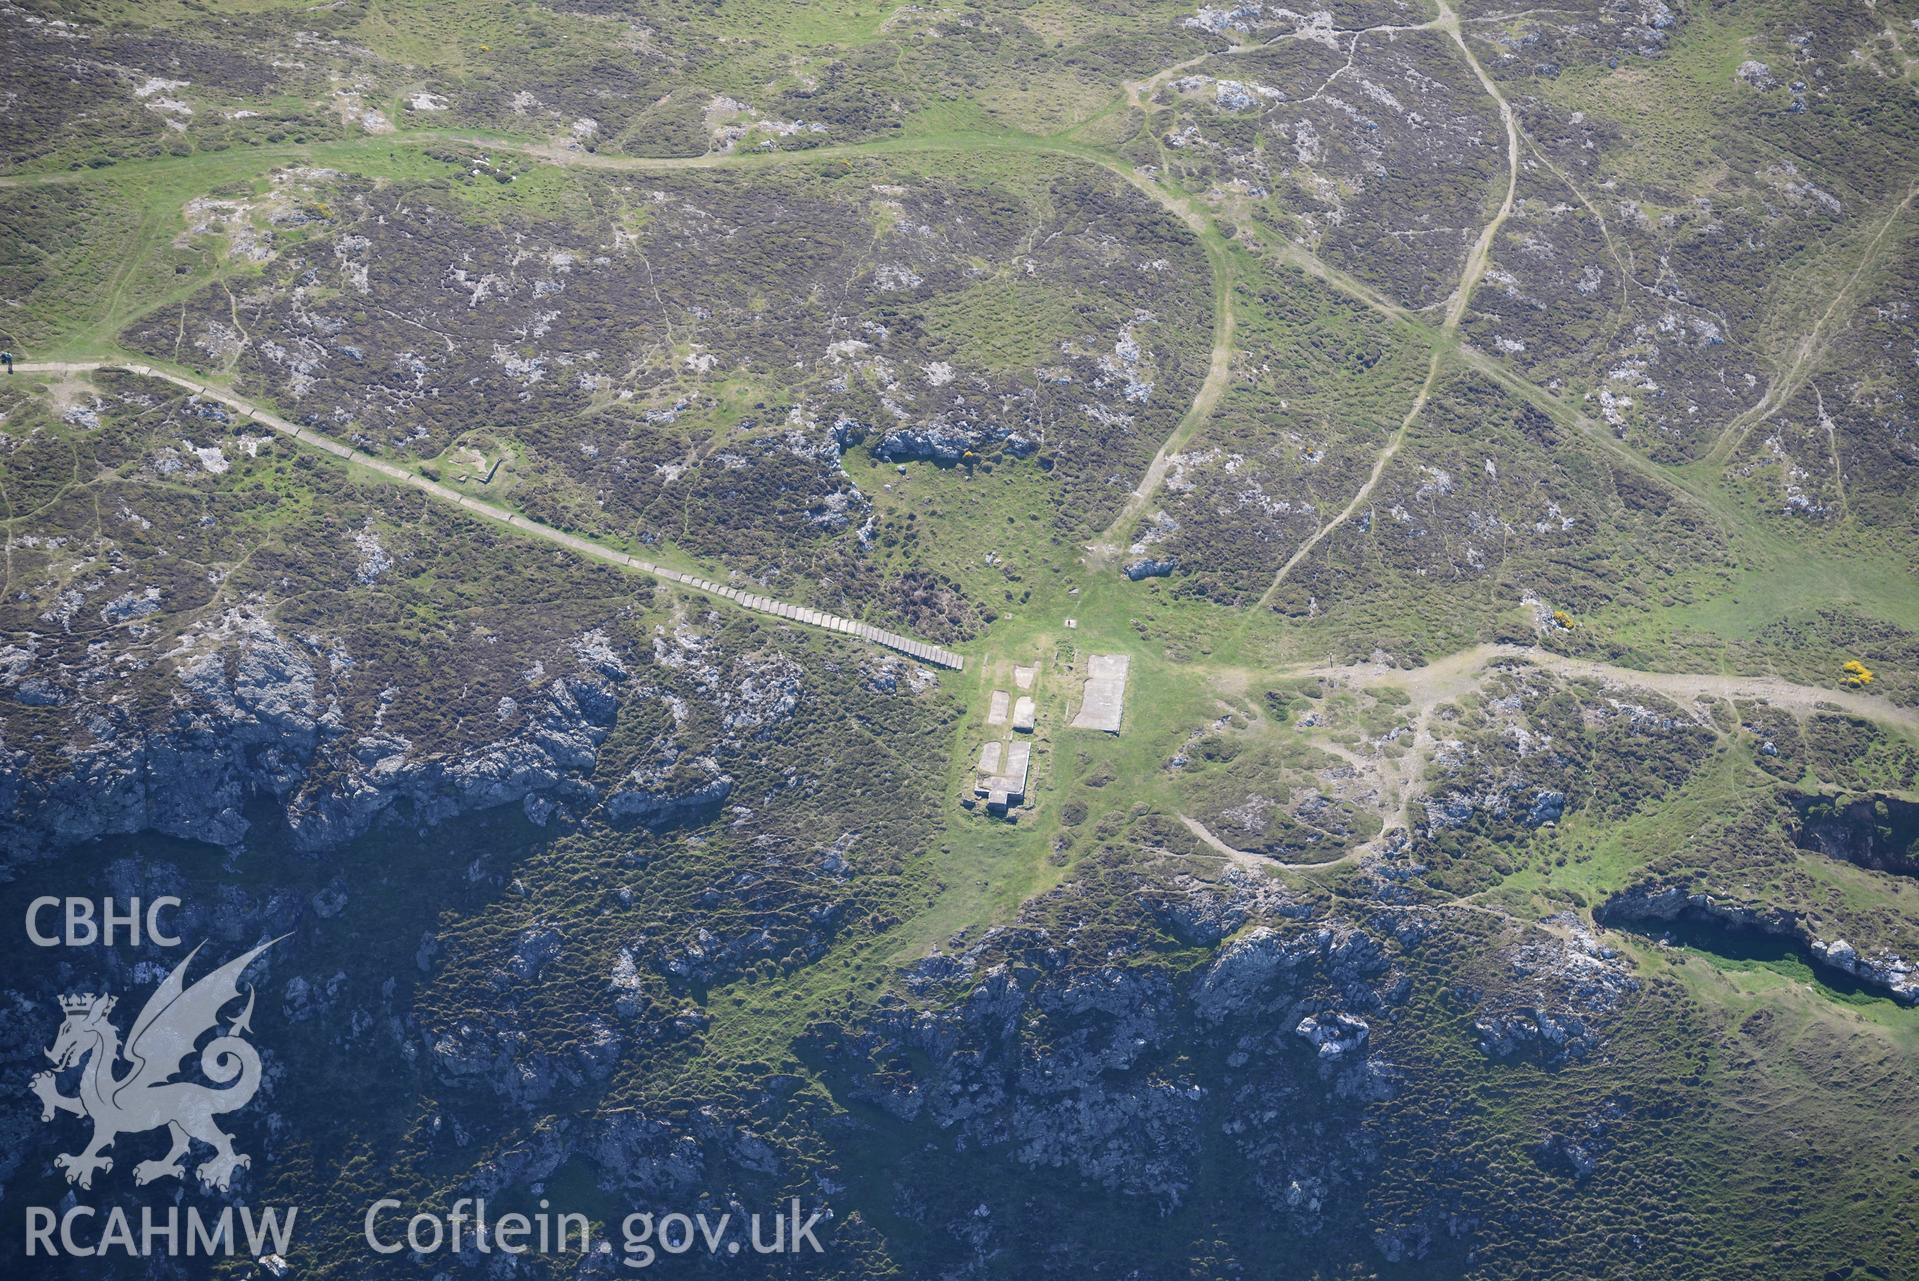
146,1096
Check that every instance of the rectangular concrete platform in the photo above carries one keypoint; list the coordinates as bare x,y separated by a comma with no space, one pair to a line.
1024,714
1105,697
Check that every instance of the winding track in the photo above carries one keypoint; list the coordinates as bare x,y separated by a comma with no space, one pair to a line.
1470,274
1806,354
1445,335
586,547
1218,371
1214,843
1447,679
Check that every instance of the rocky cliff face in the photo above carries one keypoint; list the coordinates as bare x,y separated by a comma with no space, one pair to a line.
1127,1078
1565,983
1271,1062
243,715
1884,969
248,717
1880,832
510,989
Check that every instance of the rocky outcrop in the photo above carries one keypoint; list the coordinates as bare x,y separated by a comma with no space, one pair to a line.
1150,567
1884,969
1557,987
491,1052
1880,832
1333,1034
1116,1074
657,809
250,716
551,757
948,440
245,722
635,1153
1674,902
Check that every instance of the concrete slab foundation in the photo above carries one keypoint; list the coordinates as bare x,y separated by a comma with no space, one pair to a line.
1105,697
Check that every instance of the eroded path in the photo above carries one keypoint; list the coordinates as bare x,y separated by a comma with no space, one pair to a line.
1212,842
1218,373
1469,277
586,547
1181,205
1444,334
1365,491
1458,674
1806,354
1400,779
1449,677
1481,251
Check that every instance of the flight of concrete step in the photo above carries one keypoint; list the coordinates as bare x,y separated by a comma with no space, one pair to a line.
934,654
